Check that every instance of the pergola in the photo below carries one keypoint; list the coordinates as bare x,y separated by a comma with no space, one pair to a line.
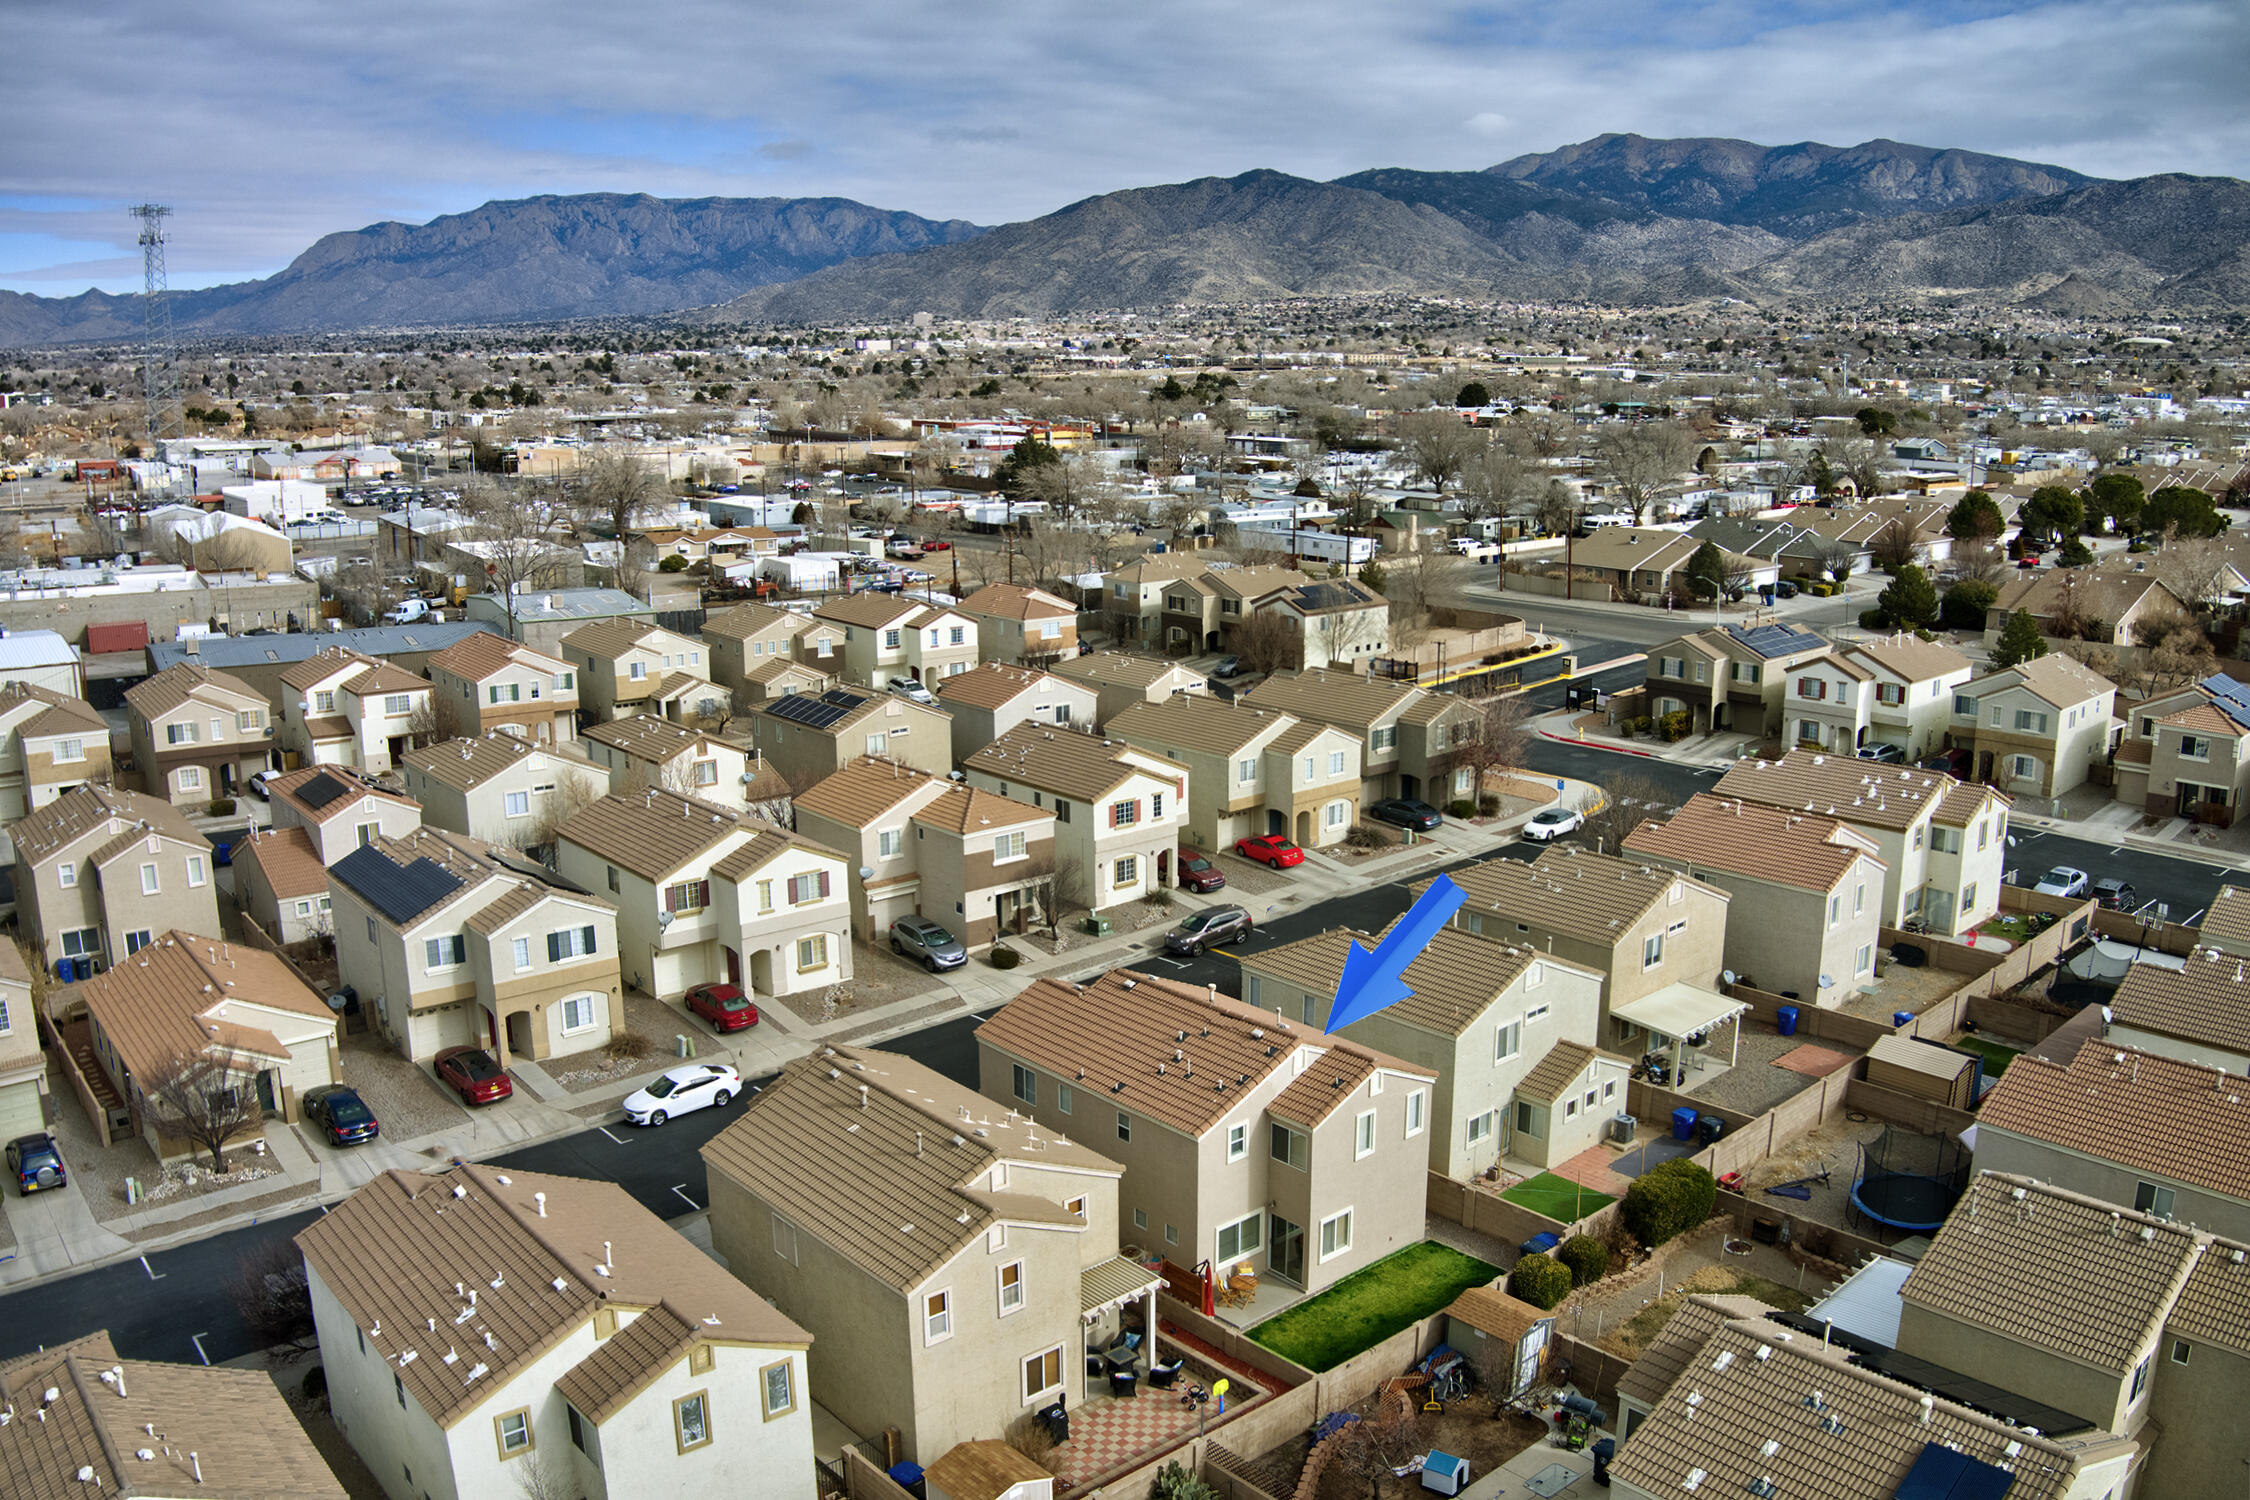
1680,1018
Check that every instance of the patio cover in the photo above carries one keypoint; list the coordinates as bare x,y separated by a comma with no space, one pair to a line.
1113,1283
1680,1010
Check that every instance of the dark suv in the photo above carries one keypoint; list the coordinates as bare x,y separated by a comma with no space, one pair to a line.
1208,929
35,1163
1198,874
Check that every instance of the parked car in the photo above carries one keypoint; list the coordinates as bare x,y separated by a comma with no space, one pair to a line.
2028,560
2112,894
1406,812
472,1073
1951,762
937,544
1785,590
1198,874
682,1090
261,785
342,1114
913,692
2062,880
35,1163
1226,666
407,611
1207,929
920,938
1889,755
1271,850
1551,823
724,1006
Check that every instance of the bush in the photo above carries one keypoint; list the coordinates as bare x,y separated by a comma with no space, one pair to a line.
1965,604
1461,807
1161,896
1488,806
1873,619
1667,1199
1587,1258
1673,726
1005,958
1639,725
1824,589
630,1044
1176,1483
222,807
673,564
1540,1280
1364,837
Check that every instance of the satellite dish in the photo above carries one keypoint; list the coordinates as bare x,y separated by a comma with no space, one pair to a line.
1826,981
663,919
1726,975
867,872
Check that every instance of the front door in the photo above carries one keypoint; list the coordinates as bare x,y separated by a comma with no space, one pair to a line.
734,965
1285,1252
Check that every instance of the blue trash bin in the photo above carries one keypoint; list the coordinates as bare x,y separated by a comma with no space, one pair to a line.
1901,1018
1785,1020
1683,1124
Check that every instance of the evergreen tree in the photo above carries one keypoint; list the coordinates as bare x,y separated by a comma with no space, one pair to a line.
1966,604
1978,515
1474,394
1909,599
1707,571
2020,642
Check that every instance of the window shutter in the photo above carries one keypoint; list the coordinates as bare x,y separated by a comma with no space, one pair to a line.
1113,815
586,936
793,886
824,885
702,896
554,947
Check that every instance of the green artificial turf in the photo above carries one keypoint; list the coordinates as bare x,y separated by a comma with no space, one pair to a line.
1996,1059
1369,1306
1556,1197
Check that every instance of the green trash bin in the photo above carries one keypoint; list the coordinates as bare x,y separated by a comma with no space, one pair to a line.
1098,926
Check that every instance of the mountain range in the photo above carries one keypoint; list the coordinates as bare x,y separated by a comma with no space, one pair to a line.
1620,218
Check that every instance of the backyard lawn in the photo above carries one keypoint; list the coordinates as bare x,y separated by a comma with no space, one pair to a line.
1556,1197
1996,1058
1369,1306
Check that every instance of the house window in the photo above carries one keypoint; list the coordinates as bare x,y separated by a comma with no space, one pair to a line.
1007,846
777,1389
522,947
513,1430
371,929
1335,1234
1945,840
1156,804
1383,739
136,941
2181,1348
566,682
82,942
1336,763
66,875
1864,958
1124,814
367,832
195,869
2148,1198
1812,687
1744,671
1889,694
1964,706
1062,810
70,750
1011,1288
1238,1142
1670,666
1291,1147
2140,1378
1652,950
1336,812
957,635
691,1421
785,1239
578,1014
148,880
2023,768
1363,1135
812,952
888,843
1570,1109
765,896
1024,1083
519,804
1528,1120
1042,1373
324,702
637,671
2030,722
191,779
1140,1218
1127,873
1063,1097
706,773
395,704
810,886
937,1317
890,640
444,952
1417,1111
1242,1237
1835,910
179,734
1480,1127
1124,1126
1309,763
2194,748
687,895
571,942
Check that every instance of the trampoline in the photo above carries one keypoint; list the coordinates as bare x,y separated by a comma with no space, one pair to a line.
1909,1182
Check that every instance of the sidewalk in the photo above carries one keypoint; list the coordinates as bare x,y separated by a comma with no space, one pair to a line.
1570,726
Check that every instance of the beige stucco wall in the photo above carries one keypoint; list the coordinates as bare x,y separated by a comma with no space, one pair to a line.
2096,1395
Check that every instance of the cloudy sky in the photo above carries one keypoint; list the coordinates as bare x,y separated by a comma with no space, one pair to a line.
267,123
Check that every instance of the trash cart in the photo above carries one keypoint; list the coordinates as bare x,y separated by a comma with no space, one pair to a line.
1785,1020
1683,1124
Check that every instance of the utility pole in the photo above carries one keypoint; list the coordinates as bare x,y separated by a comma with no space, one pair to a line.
160,391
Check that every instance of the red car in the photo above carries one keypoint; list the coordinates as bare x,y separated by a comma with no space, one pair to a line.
724,1006
1198,873
1270,849
471,1073
935,545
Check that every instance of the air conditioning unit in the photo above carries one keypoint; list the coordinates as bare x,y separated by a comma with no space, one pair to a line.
1622,1128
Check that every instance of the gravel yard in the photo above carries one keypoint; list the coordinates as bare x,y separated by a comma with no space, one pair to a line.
1132,916
1902,988
879,977
1243,876
98,1172
406,1100
1754,1085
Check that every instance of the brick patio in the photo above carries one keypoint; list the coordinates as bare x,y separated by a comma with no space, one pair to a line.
1591,1168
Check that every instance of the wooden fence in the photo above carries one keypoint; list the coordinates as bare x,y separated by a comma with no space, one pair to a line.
864,1481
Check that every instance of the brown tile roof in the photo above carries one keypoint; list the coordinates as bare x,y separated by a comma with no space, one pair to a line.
1315,1094
2057,679
984,1469
1198,723
1013,601
245,1441
1910,657
1344,699
775,668
1563,1064
609,639
2214,1306
287,859
767,844
1117,669
1859,792
542,1253
2208,1001
647,736
44,831
1750,1384
1592,897
863,791
2182,1121
1455,978
1668,1354
2084,1280
967,809
991,685
1121,1027
870,610
1064,762
175,998
2206,718
1966,802
468,763
355,783
332,727
652,832
382,677
1747,838
890,1181
181,682
71,716
2228,920
320,666
476,657
744,621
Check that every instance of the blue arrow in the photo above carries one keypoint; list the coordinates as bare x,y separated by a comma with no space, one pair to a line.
1375,981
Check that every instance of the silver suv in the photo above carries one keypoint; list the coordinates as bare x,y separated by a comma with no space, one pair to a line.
1209,928
919,937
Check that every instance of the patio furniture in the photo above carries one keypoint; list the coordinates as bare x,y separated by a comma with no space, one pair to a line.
1124,1384
1162,1376
1097,1364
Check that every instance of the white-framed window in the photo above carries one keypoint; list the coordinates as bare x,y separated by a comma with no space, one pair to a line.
888,842
1011,1287
195,872
637,671
1335,1234
1243,1237
444,952
2140,1378
1652,950
66,874
1127,872
812,952
578,1014
2194,747
1835,909
136,941
1508,1041
1124,1126
937,1317
785,1239
1246,771
1023,1083
890,640
1007,846
2023,767
1335,762
70,749
324,701
191,778
2181,1349
149,886
395,704
1480,1127
1238,1141
2030,721
1535,1013
522,950
1363,1134
570,943
1309,764
1417,1111
1570,1109
2148,1198
1064,1098
512,1430
519,804
1336,813
1383,739
82,942
1864,959
180,734
808,887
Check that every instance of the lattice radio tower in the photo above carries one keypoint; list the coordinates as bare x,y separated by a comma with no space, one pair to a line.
160,381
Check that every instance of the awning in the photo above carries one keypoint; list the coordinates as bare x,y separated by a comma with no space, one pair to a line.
1680,1010
1113,1283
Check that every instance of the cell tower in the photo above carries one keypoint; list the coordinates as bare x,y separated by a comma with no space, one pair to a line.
160,382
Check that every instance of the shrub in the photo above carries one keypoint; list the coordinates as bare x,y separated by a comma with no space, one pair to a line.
1176,1483
1540,1280
1161,896
1587,1258
673,564
1364,837
1873,619
630,1044
1965,604
1639,725
1488,805
222,807
1673,726
1666,1199
1461,807
1005,958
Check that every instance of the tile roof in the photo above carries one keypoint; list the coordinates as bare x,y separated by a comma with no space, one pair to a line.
994,684
775,668
1669,1352
1345,699
1013,601
2207,1001
2085,1281
383,677
1966,801
287,859
331,727
1117,669
541,1254
968,810
59,716
1197,723
44,831
609,639
322,665
863,791
175,998
1454,979
1062,761
1322,1088
466,764
648,736
1592,897
2055,679
2182,1121
320,793
168,689
2208,718
1862,793
652,832
2228,920
2214,1306
1797,849
888,1180
766,844
477,657
870,610
1910,657
1111,1036
245,1442
746,620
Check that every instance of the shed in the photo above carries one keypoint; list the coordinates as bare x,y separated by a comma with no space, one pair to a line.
128,635
987,1470
1505,1337
1927,1070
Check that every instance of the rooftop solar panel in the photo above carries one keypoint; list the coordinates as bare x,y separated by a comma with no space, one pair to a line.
322,790
2232,698
1776,640
1943,1473
399,893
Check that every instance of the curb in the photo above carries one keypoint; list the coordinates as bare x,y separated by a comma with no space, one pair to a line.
1563,739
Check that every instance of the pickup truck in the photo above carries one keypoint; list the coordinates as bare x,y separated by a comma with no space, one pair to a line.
903,547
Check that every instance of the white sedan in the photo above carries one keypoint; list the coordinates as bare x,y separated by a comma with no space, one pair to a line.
2062,880
696,1086
1553,823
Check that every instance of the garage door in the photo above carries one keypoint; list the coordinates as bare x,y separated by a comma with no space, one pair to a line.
20,1113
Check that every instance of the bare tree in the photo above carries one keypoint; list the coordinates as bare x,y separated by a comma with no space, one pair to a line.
1267,640
1494,484
512,531
611,490
2195,569
544,1474
1894,547
1640,458
1630,798
438,717
713,708
205,1098
1834,559
1344,634
1439,444
573,794
1494,737
1556,509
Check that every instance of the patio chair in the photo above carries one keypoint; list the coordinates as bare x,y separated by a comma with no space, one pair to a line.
1124,1384
1161,1376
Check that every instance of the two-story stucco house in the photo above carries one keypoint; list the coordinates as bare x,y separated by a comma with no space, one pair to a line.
1410,738
1482,1020
2035,728
1119,680
989,700
2183,754
754,652
1252,770
23,1063
487,682
501,787
952,1260
892,635
49,745
623,664
708,894
340,809
1913,682
601,1355
1256,1139
281,884
343,709
1119,811
644,751
1943,843
1730,677
198,735
977,864
1815,885
808,736
1022,625
450,941
101,872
